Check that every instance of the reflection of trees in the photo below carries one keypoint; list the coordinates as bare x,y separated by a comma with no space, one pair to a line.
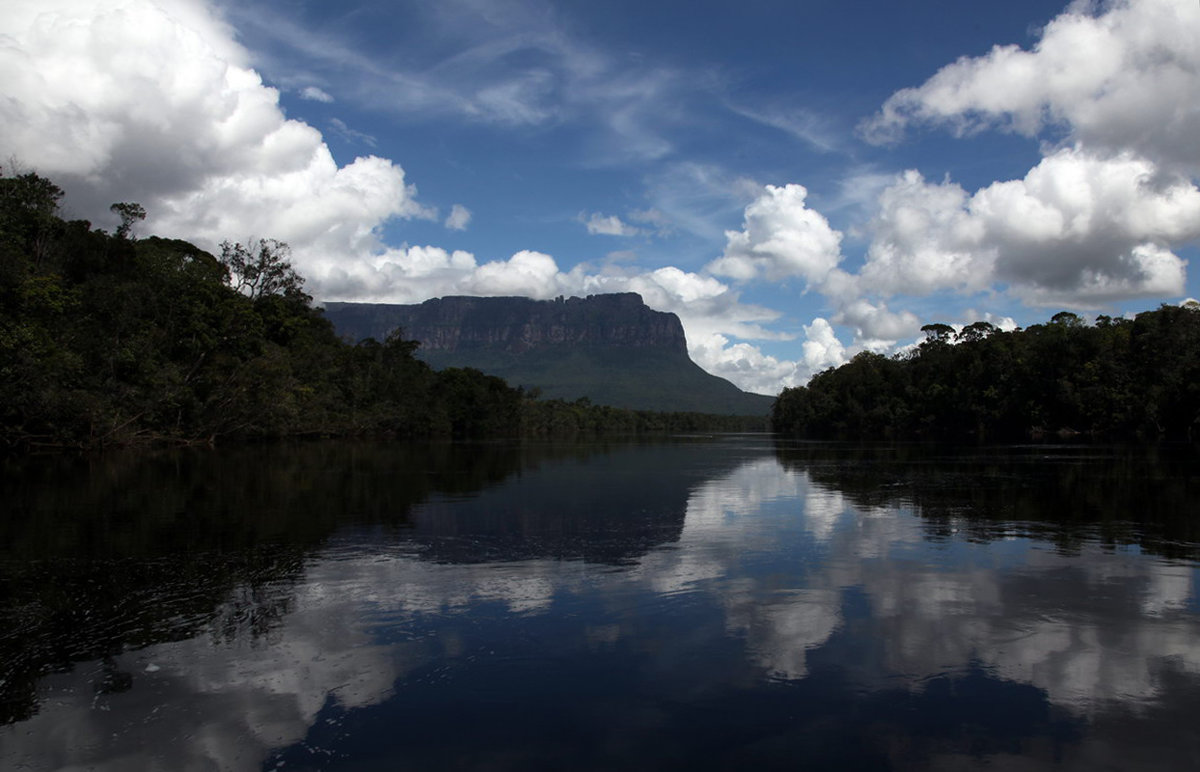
1099,629
103,554
1060,493
790,621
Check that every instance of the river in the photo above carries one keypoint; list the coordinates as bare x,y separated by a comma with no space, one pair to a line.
723,602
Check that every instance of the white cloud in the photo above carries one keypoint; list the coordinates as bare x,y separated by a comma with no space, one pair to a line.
1124,79
611,225
156,103
875,326
459,218
1098,220
1077,229
1093,228
654,222
743,364
780,237
152,102
690,288
526,273
822,349
314,94
924,240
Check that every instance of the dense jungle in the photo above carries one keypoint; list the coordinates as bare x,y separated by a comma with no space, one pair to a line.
107,339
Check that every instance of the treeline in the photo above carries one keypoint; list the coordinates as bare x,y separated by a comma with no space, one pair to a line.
107,339
1116,378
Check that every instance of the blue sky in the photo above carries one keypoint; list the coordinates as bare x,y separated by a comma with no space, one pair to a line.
799,181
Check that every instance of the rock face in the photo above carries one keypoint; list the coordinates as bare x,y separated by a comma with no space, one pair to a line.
612,349
516,325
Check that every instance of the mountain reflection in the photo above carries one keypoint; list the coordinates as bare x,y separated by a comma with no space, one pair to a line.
702,604
608,508
99,555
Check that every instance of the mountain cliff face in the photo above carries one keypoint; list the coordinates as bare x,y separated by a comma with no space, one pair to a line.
515,325
612,349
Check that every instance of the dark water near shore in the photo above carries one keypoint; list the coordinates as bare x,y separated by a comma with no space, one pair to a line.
703,603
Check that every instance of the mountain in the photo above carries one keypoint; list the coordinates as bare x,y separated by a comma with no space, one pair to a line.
613,349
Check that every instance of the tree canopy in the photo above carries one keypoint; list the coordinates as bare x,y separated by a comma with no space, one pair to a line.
106,339
1116,378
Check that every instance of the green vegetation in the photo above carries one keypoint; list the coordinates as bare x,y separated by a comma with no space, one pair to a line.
107,339
652,379
1117,378
610,348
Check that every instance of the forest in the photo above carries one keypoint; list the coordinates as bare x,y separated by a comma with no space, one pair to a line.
108,339
1114,378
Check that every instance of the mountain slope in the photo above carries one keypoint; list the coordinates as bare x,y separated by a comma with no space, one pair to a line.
612,349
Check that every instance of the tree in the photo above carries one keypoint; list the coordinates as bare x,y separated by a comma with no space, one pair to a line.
263,268
129,214
29,222
1066,319
938,332
977,331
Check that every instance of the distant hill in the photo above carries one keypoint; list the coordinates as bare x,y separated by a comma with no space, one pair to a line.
613,349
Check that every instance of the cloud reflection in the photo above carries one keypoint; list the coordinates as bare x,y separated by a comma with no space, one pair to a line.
789,574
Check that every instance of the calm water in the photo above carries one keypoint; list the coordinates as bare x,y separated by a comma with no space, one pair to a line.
705,603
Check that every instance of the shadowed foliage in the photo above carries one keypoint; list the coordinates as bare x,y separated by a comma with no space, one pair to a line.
107,339
1116,378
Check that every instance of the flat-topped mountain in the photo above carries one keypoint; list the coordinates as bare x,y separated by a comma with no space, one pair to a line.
515,324
613,349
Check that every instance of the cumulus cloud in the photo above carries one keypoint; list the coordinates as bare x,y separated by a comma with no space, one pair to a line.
1077,229
1098,220
783,237
822,349
780,237
154,102
610,225
459,218
1119,80
875,326
924,240
744,364
525,273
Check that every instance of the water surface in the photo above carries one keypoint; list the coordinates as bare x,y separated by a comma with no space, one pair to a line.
702,603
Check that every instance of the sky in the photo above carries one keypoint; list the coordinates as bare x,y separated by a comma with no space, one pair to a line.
799,181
